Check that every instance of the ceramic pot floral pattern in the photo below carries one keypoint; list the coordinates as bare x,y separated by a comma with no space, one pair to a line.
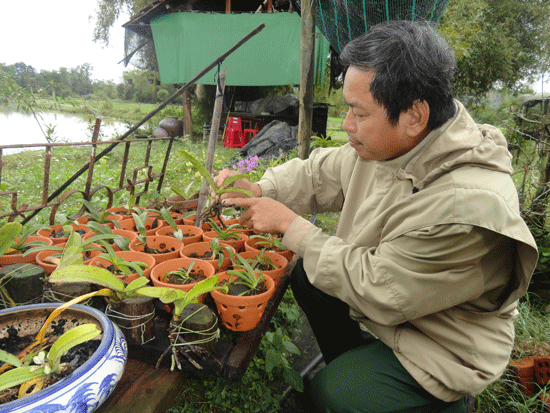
90,384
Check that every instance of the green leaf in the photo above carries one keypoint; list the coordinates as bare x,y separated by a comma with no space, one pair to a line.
68,340
293,379
87,273
136,284
10,359
203,287
20,375
8,234
199,167
272,359
291,347
154,292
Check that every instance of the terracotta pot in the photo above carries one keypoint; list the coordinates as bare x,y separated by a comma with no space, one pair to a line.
242,313
41,258
152,224
83,220
191,234
121,212
130,256
237,244
180,204
159,242
542,369
9,259
278,260
200,248
128,224
250,245
190,220
129,235
523,372
53,229
160,270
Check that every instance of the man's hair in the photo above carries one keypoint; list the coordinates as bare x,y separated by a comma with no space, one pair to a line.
411,61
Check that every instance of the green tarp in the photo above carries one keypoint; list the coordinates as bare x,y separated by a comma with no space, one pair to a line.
186,43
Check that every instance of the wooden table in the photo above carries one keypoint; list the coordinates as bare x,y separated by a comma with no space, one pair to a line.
145,389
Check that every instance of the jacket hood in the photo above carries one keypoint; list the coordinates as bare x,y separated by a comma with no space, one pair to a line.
460,141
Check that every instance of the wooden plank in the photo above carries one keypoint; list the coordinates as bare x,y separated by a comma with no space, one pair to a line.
144,389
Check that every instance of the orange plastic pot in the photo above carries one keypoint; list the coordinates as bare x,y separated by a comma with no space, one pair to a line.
237,244
160,270
9,259
50,267
53,229
250,245
191,233
159,242
200,248
130,256
242,313
278,260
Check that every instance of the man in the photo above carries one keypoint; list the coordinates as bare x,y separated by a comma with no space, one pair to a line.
413,300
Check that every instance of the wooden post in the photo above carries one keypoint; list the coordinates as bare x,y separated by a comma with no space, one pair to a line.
187,119
209,162
227,6
307,51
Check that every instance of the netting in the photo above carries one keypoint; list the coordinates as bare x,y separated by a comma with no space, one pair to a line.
133,43
343,20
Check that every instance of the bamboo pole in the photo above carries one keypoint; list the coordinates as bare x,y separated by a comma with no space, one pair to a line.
307,67
209,162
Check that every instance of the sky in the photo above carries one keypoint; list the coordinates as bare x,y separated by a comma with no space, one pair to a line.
49,34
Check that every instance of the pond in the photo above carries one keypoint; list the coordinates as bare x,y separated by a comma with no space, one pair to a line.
22,128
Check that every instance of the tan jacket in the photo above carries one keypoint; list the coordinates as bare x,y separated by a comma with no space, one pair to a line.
430,253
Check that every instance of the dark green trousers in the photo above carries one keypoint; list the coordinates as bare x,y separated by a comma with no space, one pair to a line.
362,375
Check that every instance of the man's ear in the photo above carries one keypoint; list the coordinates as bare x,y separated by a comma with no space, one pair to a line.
417,119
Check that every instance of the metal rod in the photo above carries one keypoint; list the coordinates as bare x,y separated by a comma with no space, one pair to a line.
151,114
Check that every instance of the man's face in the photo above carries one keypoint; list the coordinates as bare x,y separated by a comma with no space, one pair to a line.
366,123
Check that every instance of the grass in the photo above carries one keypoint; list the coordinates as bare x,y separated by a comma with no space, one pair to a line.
260,390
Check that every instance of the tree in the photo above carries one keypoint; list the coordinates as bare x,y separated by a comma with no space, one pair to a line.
498,43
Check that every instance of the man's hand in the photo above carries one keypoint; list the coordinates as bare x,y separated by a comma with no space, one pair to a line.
239,183
263,215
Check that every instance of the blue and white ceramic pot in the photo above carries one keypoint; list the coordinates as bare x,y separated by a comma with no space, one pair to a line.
90,384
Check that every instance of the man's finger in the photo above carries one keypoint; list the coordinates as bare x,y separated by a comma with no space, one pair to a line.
242,202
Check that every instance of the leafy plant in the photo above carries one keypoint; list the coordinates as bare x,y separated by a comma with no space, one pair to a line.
244,274
18,246
184,274
216,208
28,374
224,234
181,298
269,241
74,249
219,251
113,286
120,265
261,261
120,241
98,215
8,234
165,215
